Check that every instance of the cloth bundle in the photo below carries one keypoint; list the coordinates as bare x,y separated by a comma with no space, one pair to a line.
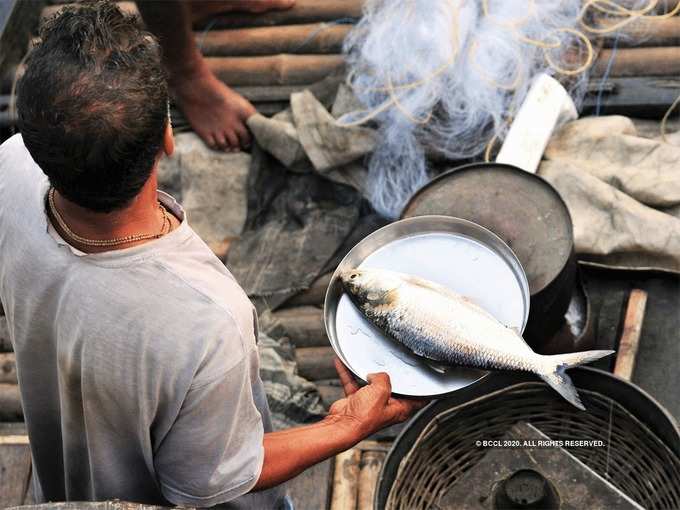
622,190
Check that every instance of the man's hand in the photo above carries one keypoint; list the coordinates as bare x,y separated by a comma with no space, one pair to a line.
371,408
363,412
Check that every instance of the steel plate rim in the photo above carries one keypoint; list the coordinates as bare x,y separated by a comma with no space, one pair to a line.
330,308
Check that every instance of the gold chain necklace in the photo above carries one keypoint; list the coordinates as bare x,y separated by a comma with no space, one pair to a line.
165,228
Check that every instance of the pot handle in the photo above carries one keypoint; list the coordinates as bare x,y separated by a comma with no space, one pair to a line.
547,104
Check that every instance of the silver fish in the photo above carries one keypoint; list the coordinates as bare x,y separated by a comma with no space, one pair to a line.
440,325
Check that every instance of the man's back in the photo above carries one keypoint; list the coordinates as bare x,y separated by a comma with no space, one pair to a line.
137,367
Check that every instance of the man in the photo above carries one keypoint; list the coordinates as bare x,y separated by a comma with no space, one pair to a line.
216,112
136,349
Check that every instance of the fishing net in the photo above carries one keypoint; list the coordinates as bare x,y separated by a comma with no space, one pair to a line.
633,459
446,77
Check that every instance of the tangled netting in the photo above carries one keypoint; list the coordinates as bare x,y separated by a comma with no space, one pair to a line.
446,77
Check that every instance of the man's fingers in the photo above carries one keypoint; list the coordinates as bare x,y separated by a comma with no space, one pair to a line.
381,381
402,409
243,136
349,384
221,141
232,139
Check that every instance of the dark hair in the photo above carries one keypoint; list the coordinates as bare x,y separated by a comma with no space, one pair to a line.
93,105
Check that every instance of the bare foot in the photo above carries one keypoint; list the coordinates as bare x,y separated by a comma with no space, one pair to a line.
200,9
216,113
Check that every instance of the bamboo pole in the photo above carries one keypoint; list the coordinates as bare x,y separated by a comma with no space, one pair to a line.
644,32
265,94
315,363
630,337
345,480
369,469
274,70
10,403
315,295
657,61
5,343
8,368
304,11
304,325
309,38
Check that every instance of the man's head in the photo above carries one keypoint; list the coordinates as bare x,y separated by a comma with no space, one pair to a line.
93,105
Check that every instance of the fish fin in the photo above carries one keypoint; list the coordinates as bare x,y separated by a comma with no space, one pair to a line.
515,329
554,373
441,369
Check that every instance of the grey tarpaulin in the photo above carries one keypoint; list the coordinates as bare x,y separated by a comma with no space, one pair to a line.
621,190
211,185
306,138
296,222
292,399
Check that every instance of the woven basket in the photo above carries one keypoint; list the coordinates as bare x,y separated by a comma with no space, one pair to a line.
633,458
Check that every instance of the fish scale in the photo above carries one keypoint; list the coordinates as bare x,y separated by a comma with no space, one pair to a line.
438,324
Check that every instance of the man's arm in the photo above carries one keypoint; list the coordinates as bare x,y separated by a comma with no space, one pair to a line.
364,411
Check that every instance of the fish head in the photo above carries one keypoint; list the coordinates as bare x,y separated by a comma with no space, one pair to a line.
370,288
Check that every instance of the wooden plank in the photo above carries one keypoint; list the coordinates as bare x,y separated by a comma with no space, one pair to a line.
15,472
316,363
304,325
309,38
630,337
656,61
315,295
346,480
10,403
275,69
8,368
311,490
369,469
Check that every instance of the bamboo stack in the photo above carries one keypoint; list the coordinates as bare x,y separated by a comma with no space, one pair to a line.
268,56
355,476
636,71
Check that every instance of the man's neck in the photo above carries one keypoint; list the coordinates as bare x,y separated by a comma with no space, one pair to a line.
141,216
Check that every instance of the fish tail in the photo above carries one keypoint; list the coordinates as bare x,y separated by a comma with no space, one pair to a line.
553,372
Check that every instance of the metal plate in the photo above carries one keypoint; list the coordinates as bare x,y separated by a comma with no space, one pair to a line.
521,208
457,253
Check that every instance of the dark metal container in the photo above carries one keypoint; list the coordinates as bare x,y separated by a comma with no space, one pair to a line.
639,455
528,214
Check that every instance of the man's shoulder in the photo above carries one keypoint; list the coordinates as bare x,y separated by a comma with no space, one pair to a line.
17,165
205,295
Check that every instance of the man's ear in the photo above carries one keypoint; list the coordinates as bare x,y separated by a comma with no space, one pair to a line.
168,140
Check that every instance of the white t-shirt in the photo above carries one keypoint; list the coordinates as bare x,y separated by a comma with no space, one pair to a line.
138,368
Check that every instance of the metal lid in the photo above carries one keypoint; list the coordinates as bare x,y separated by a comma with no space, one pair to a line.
521,208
